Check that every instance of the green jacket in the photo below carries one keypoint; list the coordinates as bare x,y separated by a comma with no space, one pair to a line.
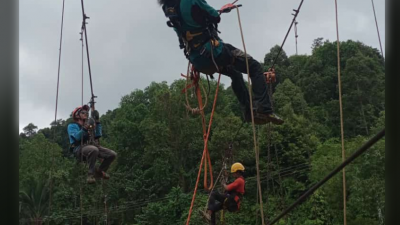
195,14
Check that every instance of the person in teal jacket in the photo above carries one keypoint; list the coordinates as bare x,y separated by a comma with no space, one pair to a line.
195,23
84,134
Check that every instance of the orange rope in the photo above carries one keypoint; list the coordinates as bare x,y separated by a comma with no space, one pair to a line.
205,151
203,122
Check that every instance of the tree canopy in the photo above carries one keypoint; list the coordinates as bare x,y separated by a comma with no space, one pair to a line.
159,146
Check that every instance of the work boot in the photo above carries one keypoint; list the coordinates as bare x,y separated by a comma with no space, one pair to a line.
261,117
102,174
273,118
206,216
90,179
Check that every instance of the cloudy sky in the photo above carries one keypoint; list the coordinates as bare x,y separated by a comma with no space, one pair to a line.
131,46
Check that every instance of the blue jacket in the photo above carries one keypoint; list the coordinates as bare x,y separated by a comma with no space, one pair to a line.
76,132
194,14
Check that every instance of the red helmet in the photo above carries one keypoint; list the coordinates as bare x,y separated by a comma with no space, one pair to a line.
77,110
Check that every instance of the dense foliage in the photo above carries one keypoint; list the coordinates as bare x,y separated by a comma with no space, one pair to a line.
159,146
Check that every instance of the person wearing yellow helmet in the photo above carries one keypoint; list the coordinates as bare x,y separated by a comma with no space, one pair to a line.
232,196
84,134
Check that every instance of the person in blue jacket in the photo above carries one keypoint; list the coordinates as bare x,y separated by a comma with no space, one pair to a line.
84,134
195,23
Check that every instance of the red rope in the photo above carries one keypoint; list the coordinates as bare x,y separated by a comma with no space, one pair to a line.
205,152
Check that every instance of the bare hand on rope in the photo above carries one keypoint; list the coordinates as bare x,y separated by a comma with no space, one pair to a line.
228,7
270,75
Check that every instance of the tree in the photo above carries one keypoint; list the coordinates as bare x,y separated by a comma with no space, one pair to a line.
30,130
34,201
317,43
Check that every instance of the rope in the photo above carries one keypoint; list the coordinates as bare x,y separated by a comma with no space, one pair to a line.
81,200
349,160
284,40
81,33
252,120
196,110
204,151
87,46
377,28
212,189
105,202
55,114
341,115
205,135
279,177
223,165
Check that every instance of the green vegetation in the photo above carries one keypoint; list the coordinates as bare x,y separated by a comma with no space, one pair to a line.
159,146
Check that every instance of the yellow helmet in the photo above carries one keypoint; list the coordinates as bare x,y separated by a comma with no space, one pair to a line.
237,166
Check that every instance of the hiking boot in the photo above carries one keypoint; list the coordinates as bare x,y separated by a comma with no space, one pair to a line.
90,179
205,216
258,119
264,118
102,174
273,118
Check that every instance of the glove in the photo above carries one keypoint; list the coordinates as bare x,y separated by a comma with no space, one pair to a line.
95,115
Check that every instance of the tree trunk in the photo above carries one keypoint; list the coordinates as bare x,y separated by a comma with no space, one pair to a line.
362,112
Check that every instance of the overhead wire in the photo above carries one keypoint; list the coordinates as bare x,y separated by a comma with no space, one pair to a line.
377,28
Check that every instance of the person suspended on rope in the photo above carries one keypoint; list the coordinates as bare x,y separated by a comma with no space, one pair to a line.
232,196
88,149
195,23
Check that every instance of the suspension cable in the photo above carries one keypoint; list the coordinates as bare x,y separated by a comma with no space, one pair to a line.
296,13
87,47
377,28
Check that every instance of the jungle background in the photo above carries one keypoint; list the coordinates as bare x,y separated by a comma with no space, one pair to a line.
159,146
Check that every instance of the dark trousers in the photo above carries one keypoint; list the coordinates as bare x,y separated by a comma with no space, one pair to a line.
215,204
92,152
233,62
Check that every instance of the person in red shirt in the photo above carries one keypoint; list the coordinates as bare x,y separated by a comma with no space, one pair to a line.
232,196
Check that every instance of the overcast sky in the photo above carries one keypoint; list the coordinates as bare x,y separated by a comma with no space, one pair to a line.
130,45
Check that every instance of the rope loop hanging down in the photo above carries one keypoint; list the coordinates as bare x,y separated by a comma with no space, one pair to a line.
206,154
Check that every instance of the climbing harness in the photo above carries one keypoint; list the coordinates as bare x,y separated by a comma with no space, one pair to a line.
189,40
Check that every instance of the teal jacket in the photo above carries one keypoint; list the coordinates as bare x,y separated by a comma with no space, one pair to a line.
195,14
76,132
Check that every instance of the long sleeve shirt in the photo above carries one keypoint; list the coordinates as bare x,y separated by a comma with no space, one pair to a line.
76,132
